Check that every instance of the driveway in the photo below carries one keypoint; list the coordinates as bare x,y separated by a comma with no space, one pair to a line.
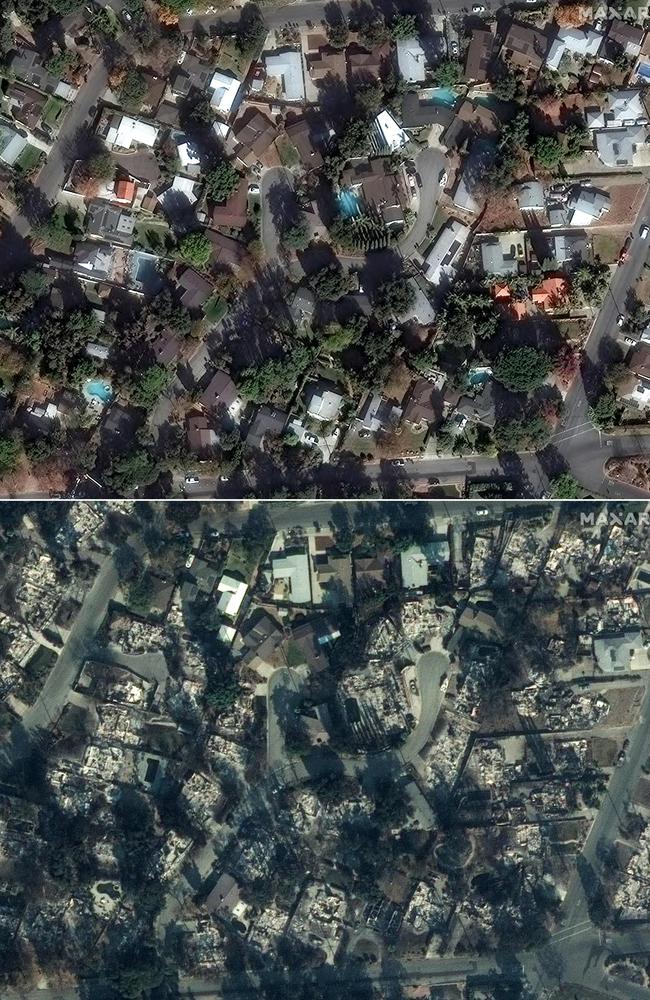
277,200
429,164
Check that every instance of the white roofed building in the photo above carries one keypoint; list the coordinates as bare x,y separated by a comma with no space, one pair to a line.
291,573
232,592
287,68
324,404
622,109
125,132
444,253
225,89
411,60
583,43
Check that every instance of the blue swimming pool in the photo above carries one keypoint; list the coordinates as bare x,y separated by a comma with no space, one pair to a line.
98,389
442,95
349,203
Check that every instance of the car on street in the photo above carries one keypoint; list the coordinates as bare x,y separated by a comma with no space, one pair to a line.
453,48
224,479
482,511
397,463
311,438
478,9
643,232
620,321
191,480
364,433
126,16
443,178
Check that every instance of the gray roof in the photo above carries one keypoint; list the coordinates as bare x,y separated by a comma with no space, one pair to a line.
110,223
625,651
616,147
494,261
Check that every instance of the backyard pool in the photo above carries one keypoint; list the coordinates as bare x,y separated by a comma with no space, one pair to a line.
444,96
478,376
99,390
348,203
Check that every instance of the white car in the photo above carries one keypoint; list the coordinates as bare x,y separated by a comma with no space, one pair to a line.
444,177
643,232
253,189
620,320
191,480
453,48
398,463
482,511
478,9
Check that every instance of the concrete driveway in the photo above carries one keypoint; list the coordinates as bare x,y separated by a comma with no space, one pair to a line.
430,164
276,189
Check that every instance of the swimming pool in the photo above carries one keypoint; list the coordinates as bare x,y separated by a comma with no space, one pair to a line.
478,376
348,203
99,389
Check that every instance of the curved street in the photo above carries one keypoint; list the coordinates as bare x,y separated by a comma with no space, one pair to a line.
430,164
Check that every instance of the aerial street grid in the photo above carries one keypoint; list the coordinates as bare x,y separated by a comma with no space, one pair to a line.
324,250
394,751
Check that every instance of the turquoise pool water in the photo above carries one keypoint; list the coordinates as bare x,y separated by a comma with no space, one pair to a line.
442,95
99,389
348,203
478,377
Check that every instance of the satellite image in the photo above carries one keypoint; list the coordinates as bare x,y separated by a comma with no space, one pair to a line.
372,751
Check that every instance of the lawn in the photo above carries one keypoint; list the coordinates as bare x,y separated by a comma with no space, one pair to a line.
289,155
152,236
607,246
53,111
230,58
28,160
215,309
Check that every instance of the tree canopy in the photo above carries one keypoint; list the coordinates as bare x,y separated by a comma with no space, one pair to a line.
523,368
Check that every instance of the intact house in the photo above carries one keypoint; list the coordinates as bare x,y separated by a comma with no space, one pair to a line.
503,253
268,422
253,135
190,74
308,141
26,65
581,43
26,104
382,192
202,439
411,60
110,223
479,55
194,290
221,396
285,68
624,39
524,48
444,255
620,128
122,132
324,401
377,415
12,144
232,213
225,90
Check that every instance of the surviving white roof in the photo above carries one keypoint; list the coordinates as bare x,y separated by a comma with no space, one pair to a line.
11,145
443,253
414,566
179,186
622,108
293,569
325,405
530,197
411,60
65,91
616,146
225,88
577,41
393,135
463,197
589,204
131,132
188,156
232,594
287,67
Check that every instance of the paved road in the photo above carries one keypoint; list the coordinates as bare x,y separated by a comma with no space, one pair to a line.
429,163
80,115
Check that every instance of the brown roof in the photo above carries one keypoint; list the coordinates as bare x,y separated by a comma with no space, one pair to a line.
624,33
639,360
166,348
29,104
220,391
364,63
327,62
420,407
380,187
195,289
233,212
255,133
300,135
226,252
201,437
479,52
525,47
267,420
316,41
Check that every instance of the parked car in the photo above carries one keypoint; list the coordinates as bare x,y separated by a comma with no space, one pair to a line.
397,463
453,48
311,438
620,320
643,232
478,9
191,480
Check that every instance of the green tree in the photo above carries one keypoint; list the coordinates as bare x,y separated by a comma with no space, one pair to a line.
274,380
132,89
332,282
590,281
251,31
297,236
576,137
100,166
549,151
565,487
604,412
338,33
373,31
466,314
394,298
404,26
527,434
523,368
355,140
508,84
10,452
149,385
222,181
447,73
195,249
137,468
370,98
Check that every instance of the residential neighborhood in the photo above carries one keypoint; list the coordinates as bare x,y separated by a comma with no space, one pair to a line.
343,223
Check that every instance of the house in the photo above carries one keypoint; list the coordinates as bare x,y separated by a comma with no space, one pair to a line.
622,38
387,136
325,64
312,638
221,395
261,637
419,112
503,253
479,409
471,120
26,104
414,568
166,348
156,86
621,652
524,48
286,67
225,87
195,290
291,577
122,132
110,223
26,64
621,109
378,414
443,255
300,134
479,55
581,43
411,60
94,261
639,360
226,252
233,591
424,406
302,306
189,158
618,147
332,573
370,572
586,205
12,144
551,293
253,134
232,213
268,421
190,74
201,437
381,191
365,66
224,899
635,391
324,403
179,197
530,197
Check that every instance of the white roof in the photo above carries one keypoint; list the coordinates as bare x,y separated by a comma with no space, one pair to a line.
415,569
132,132
443,253
463,197
294,568
530,196
65,91
188,156
325,406
577,41
393,136
287,67
227,634
180,185
232,594
616,146
411,59
622,108
10,152
225,87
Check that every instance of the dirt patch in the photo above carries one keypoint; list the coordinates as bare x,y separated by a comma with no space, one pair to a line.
607,246
623,706
603,751
634,471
